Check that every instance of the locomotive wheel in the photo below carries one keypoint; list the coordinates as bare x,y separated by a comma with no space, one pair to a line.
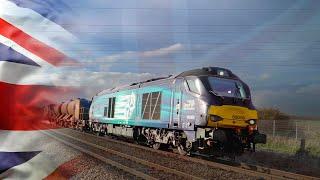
185,148
182,150
160,146
156,146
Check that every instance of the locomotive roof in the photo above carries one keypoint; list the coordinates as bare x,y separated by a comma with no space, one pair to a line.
213,71
130,86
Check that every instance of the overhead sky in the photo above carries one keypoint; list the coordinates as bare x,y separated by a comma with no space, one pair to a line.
273,45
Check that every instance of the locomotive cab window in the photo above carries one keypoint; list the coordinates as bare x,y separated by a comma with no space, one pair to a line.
193,85
151,105
105,113
109,110
227,87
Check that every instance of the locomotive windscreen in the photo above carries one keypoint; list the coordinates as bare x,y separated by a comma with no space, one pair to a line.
227,87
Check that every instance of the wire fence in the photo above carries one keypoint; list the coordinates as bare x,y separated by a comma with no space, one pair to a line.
298,129
291,136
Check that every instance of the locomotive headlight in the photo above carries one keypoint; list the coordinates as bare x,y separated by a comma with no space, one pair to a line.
215,118
252,122
222,72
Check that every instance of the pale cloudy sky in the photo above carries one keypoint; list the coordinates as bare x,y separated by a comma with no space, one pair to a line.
272,45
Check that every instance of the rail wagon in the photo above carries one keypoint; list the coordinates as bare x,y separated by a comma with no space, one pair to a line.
73,113
206,111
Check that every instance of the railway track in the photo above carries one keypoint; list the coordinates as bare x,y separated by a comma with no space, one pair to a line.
113,147
130,164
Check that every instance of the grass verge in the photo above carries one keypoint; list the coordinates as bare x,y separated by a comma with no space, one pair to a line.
290,145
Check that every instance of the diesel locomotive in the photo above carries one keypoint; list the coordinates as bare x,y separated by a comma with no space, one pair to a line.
205,111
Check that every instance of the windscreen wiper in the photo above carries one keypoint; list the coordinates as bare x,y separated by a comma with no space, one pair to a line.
216,94
237,93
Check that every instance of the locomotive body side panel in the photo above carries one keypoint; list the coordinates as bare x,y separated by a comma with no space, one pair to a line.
147,106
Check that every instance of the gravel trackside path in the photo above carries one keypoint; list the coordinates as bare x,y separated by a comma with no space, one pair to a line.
87,167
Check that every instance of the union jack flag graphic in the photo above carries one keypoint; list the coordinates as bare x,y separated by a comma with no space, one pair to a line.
32,42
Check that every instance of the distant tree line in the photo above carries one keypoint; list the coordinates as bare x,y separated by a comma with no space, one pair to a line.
272,114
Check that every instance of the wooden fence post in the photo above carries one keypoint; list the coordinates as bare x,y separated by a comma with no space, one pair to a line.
274,128
296,130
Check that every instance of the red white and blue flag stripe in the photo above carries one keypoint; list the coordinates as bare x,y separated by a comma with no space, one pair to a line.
31,43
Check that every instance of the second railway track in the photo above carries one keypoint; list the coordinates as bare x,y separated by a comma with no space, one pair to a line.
155,164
